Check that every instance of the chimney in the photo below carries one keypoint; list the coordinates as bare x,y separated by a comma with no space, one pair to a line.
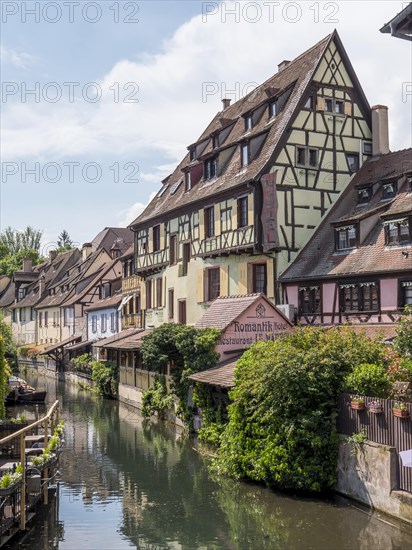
380,131
27,265
226,102
41,286
86,250
52,255
282,65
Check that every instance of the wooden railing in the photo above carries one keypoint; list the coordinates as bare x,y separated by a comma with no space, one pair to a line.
49,423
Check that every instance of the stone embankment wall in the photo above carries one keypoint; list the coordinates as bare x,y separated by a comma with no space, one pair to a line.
367,472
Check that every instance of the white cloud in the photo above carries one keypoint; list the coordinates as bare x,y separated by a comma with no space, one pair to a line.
22,60
125,217
171,112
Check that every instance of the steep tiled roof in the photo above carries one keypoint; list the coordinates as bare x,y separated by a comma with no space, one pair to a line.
113,301
297,75
106,238
4,283
7,298
386,331
318,258
117,337
130,343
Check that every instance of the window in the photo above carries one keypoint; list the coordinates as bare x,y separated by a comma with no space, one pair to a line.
186,257
55,319
156,238
367,148
103,322
192,153
40,317
336,106
259,278
364,195
173,249
149,294
309,299
32,314
225,217
113,322
213,283
277,105
94,323
242,212
345,237
210,169
105,290
307,157
389,190
245,154
409,184
353,162
406,293
182,311
359,297
209,222
159,288
188,182
309,103
397,232
248,122
215,141
171,303
46,319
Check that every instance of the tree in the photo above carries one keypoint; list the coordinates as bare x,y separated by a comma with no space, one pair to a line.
4,377
281,428
403,340
9,344
16,245
64,241
15,241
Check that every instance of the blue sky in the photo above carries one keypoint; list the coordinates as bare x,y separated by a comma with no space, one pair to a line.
164,57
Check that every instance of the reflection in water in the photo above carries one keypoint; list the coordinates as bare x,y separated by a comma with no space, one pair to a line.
126,483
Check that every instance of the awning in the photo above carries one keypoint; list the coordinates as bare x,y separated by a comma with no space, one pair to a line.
221,376
129,344
116,337
124,301
62,344
82,344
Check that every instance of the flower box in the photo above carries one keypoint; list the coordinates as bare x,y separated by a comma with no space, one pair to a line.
400,413
376,409
10,489
357,405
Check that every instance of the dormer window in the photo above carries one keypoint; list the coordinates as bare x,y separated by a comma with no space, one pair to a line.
192,153
389,190
245,153
188,183
248,122
397,232
272,109
409,178
210,169
345,237
364,195
215,141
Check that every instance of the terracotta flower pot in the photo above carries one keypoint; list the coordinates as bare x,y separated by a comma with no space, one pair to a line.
357,405
376,409
401,413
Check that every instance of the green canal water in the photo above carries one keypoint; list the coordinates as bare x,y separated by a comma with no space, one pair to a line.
125,483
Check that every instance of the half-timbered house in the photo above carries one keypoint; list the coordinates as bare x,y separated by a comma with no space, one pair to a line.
253,187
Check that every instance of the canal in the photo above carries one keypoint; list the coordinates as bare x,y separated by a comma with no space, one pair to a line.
125,483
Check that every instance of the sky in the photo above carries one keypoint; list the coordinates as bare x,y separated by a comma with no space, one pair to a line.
101,99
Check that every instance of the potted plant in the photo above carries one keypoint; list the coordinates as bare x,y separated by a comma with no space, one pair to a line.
9,483
357,403
400,410
375,407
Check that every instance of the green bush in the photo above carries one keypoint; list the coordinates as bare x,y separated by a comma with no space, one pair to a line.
105,374
370,380
403,340
84,359
281,427
156,399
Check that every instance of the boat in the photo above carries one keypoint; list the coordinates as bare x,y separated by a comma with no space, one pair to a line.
21,392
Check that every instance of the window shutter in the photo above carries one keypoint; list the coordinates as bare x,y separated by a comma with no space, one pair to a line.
150,242
162,236
143,295
200,289
224,280
218,219
201,225
321,103
234,215
348,108
242,271
270,283
250,219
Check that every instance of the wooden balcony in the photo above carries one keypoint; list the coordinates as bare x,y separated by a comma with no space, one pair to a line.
131,283
132,320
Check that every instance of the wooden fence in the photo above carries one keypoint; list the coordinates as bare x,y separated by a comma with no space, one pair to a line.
384,428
